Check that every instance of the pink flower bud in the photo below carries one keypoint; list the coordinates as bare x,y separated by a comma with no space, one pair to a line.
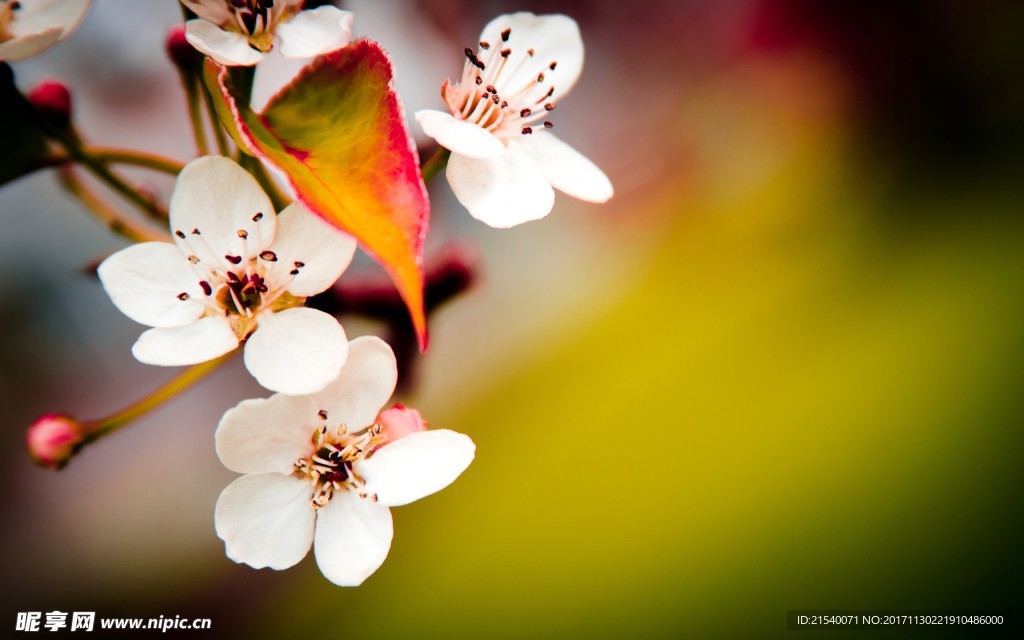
181,53
53,101
53,439
399,421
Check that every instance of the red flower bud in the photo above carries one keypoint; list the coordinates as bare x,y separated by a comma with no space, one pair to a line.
53,439
52,100
181,53
399,421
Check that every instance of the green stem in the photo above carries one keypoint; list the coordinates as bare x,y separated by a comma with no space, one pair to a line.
242,79
108,215
99,428
114,181
192,88
437,161
109,155
218,131
259,172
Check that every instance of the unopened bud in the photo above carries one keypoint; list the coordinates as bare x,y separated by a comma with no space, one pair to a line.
181,53
52,101
399,421
53,439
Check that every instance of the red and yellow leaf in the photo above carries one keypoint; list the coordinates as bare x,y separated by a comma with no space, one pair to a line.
338,132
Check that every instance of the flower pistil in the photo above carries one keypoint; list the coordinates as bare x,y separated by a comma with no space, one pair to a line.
236,286
329,468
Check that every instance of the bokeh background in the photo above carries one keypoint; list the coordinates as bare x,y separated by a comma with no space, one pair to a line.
782,369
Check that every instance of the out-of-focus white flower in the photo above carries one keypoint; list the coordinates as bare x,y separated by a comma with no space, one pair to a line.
236,272
29,27
504,159
323,470
240,32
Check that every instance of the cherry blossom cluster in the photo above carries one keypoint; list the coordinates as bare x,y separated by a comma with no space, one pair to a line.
324,458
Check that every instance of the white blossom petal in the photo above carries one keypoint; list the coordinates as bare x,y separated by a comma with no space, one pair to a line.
147,282
219,198
553,38
267,435
226,47
568,170
204,339
461,137
416,466
23,47
296,351
36,16
265,520
366,382
306,239
503,191
215,11
315,31
353,537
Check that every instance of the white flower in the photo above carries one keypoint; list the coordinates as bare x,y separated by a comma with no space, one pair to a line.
239,32
322,470
29,27
236,272
504,161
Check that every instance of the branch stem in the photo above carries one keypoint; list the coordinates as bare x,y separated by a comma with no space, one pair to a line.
104,212
110,155
435,163
192,88
99,428
218,130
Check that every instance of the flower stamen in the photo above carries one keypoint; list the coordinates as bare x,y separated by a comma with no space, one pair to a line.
490,102
329,468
